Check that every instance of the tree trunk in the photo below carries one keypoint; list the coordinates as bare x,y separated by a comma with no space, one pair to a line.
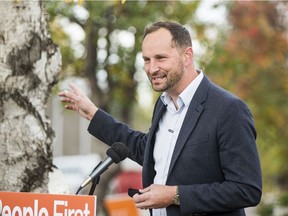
29,65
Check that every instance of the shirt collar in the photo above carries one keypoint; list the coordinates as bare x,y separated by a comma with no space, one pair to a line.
187,94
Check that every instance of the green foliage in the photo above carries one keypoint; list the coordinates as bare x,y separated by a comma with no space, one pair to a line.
56,11
265,209
283,199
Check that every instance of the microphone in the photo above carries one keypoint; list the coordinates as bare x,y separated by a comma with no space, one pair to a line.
116,153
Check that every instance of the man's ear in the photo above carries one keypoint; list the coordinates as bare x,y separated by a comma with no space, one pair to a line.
188,56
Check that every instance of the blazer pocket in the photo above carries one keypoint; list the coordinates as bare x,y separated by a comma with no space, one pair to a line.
198,140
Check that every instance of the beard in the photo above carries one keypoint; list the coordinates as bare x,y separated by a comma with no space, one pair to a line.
166,80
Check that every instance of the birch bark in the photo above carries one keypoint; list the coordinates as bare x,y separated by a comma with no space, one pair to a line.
29,66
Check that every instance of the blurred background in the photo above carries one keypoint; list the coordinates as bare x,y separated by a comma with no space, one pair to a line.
241,45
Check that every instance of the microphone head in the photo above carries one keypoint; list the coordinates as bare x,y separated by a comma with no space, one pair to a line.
117,152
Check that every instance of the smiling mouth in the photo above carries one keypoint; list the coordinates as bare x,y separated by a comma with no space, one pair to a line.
159,78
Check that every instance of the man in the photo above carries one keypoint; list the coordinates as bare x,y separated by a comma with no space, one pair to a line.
199,156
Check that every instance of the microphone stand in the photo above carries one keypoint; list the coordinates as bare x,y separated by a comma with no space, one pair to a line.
95,181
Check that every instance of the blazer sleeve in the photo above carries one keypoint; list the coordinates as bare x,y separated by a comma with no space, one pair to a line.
109,130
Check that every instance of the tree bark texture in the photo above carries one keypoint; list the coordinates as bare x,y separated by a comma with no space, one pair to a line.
29,66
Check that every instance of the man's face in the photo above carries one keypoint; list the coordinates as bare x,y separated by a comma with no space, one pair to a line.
162,61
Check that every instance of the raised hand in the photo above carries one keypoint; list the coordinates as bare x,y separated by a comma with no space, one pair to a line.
76,100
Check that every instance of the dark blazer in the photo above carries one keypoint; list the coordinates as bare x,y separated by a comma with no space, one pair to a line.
215,162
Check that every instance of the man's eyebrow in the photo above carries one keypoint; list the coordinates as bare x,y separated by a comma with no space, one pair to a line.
145,57
160,55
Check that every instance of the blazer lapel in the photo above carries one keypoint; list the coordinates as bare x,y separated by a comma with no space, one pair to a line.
148,163
159,109
193,113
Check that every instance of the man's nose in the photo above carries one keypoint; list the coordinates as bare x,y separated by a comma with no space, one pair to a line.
153,67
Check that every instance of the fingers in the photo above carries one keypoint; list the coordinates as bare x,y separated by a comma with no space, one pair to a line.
145,190
69,96
69,107
76,100
75,89
155,196
142,200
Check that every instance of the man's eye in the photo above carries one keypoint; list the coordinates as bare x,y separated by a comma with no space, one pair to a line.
161,58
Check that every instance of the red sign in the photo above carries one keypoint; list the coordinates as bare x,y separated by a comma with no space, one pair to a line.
32,204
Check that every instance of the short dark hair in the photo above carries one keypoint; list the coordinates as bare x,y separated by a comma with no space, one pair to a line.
180,35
